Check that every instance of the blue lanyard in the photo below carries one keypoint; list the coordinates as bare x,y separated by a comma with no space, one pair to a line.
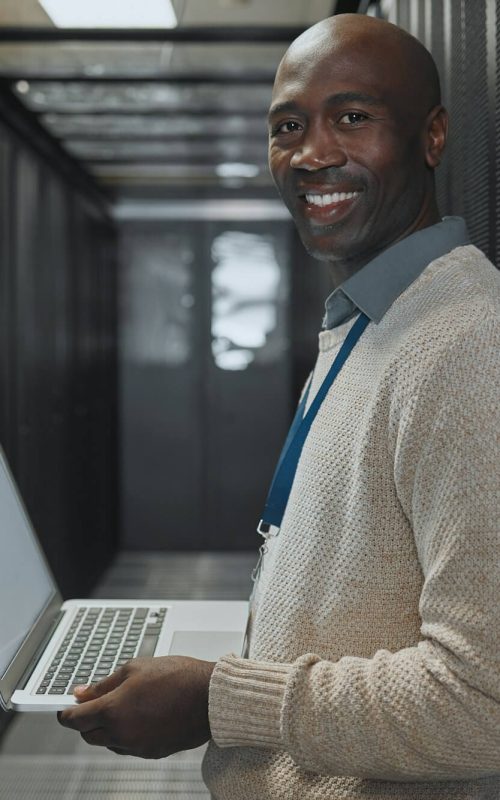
287,465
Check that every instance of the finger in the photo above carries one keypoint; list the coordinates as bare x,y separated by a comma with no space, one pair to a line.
94,690
99,737
119,751
82,718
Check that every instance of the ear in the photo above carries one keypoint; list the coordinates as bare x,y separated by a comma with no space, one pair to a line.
436,135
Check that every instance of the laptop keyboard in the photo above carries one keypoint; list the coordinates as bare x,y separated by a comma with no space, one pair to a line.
99,640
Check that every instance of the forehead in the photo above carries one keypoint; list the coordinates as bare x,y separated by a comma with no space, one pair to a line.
315,70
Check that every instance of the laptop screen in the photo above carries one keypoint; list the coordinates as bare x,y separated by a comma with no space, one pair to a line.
26,585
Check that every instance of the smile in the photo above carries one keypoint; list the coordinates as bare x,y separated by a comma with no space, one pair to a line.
329,199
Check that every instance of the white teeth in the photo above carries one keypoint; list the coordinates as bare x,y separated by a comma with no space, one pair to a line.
329,199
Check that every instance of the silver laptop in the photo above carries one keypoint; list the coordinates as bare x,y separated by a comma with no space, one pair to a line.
48,646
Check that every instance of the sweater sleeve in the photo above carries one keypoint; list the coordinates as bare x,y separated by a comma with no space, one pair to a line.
432,711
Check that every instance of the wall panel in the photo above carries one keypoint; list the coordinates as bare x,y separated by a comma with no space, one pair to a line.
6,311
58,362
464,39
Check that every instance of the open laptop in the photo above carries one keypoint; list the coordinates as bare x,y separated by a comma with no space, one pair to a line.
48,646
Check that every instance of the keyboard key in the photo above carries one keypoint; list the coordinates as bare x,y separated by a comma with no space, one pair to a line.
148,645
98,641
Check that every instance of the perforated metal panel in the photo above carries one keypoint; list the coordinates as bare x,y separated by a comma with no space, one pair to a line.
57,359
436,44
457,106
464,38
495,91
475,130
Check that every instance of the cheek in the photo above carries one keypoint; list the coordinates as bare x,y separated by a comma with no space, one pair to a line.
407,157
278,164
391,167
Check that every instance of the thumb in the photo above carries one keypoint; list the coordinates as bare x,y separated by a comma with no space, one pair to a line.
95,690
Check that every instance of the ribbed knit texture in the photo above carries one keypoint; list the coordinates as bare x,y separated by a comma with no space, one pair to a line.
259,683
374,667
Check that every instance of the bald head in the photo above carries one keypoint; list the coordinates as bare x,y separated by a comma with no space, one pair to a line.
356,129
410,68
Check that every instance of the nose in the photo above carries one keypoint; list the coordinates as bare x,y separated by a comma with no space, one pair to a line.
318,148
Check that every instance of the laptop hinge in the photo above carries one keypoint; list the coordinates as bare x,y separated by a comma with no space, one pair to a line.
40,650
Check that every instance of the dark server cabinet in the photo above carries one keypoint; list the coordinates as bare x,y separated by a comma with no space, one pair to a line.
58,361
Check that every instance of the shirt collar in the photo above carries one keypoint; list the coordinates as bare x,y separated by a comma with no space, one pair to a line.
375,287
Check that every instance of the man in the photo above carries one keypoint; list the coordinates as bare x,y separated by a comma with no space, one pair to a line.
373,667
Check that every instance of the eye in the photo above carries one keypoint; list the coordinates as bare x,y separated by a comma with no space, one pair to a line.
352,118
290,126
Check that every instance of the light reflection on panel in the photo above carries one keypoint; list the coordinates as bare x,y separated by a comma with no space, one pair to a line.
237,58
157,300
218,149
157,174
133,125
246,289
46,95
81,59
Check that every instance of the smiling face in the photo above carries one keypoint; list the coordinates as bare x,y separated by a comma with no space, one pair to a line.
353,140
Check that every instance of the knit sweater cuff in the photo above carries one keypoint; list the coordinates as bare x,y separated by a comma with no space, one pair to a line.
245,702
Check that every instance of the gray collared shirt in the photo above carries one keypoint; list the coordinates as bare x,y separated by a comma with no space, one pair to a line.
375,287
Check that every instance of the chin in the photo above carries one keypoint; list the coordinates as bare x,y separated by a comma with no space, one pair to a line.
334,243
321,255
326,252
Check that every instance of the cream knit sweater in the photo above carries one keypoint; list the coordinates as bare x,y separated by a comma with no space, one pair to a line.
374,667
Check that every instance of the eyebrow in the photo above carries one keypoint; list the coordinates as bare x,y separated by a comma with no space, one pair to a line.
333,100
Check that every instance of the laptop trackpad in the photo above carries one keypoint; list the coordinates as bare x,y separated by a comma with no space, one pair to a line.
207,645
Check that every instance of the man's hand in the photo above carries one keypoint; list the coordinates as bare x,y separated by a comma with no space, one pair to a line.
150,707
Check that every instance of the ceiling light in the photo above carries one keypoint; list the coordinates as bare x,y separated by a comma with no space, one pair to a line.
111,13
94,69
23,87
235,170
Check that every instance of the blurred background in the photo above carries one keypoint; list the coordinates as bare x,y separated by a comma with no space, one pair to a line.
158,314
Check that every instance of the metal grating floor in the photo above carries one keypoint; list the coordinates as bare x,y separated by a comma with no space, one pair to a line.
65,778
179,576
40,760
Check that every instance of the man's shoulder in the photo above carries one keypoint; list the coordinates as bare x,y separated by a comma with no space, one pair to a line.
465,277
454,294
471,259
450,314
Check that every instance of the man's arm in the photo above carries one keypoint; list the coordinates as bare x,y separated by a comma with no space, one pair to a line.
150,707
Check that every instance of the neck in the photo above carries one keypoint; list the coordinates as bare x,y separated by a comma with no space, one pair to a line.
342,269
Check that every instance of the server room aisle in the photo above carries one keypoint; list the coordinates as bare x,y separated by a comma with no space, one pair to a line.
39,760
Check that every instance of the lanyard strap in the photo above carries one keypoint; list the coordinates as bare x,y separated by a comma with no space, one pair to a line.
287,465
